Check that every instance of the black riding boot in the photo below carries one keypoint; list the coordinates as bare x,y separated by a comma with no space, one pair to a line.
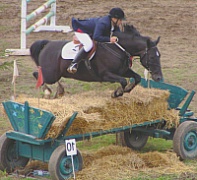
74,65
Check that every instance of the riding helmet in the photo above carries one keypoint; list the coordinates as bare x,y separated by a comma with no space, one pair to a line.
117,13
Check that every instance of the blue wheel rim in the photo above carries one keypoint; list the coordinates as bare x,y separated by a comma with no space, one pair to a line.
190,141
65,167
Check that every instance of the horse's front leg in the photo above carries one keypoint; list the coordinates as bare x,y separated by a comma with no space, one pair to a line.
132,82
110,77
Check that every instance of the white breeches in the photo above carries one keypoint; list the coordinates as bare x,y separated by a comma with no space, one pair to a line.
85,40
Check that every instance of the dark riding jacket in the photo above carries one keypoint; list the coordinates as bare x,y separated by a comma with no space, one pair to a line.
98,28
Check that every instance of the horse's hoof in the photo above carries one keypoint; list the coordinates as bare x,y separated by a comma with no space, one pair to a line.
47,91
113,95
118,92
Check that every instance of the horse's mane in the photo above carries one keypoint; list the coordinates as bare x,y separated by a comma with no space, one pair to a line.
130,29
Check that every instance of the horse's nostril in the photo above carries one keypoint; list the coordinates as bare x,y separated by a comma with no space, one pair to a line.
160,79
157,78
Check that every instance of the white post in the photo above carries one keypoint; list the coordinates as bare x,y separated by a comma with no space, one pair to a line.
52,19
23,49
23,23
37,27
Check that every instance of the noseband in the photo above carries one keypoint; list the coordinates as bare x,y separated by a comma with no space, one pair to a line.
148,63
145,53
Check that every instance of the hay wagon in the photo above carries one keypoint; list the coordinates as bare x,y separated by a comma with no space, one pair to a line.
30,125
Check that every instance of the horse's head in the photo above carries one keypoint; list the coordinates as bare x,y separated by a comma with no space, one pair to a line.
137,45
150,59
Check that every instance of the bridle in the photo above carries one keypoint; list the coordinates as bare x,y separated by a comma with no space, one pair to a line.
142,54
148,63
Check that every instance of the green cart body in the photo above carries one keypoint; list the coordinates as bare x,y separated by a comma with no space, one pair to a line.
30,125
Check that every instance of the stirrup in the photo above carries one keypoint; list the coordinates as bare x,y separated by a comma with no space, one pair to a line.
72,68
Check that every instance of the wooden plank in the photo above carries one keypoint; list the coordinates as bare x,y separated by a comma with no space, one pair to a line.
17,52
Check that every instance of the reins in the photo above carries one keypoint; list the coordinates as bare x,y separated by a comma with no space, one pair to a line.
141,56
127,53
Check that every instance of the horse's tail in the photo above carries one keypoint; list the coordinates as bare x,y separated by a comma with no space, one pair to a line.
36,48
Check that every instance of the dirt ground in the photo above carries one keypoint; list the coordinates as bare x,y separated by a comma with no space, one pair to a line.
175,21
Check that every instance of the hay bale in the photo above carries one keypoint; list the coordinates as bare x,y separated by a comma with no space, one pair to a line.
98,111
115,162
164,163
155,159
109,163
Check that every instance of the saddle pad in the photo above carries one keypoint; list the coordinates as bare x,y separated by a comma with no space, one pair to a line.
70,50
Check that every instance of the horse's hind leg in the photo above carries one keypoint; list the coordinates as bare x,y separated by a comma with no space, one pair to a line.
60,91
35,75
46,90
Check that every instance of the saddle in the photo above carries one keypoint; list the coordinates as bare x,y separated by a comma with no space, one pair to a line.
70,50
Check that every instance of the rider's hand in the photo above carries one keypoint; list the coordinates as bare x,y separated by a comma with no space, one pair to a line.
113,39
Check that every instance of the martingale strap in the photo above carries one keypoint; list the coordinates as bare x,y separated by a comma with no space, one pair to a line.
104,45
130,58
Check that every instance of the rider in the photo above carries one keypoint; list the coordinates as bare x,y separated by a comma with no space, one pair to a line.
99,29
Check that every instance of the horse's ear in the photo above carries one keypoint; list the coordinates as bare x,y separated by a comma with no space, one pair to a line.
152,43
157,41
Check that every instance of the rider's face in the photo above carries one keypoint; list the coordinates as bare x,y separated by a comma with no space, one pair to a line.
116,22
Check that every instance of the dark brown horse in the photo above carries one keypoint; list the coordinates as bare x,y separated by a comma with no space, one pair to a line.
110,63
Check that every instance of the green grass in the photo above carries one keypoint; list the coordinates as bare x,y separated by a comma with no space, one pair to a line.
153,144
75,86
95,143
157,144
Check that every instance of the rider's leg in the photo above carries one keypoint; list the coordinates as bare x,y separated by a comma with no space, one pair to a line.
82,54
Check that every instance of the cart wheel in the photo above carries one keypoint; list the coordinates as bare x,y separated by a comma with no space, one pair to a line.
185,140
8,155
135,140
60,165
